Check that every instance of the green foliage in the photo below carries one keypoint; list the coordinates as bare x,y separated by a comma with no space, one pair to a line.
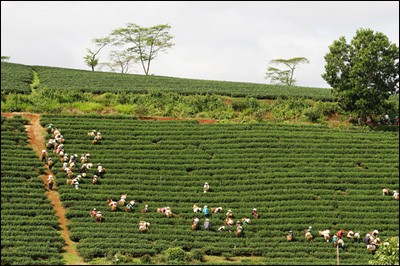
198,254
87,106
387,254
35,83
291,108
15,103
15,78
145,259
239,104
320,110
101,82
125,108
312,114
5,58
143,43
364,73
175,255
107,99
29,232
335,177
92,59
285,77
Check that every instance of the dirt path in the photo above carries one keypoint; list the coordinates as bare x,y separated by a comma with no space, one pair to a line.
37,136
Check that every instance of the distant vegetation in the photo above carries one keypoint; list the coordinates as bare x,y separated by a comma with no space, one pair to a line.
101,82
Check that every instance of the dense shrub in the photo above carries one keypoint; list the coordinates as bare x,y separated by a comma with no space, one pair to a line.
175,255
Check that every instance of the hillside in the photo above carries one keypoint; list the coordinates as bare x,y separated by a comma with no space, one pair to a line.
101,82
288,152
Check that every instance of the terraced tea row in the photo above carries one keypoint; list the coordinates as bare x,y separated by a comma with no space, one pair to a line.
29,226
295,176
13,79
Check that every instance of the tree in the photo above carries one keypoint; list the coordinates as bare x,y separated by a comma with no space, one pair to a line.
363,73
387,254
90,58
4,58
120,61
285,77
145,43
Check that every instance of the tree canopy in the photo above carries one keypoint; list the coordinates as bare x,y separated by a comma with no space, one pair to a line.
131,44
363,73
144,43
90,58
286,76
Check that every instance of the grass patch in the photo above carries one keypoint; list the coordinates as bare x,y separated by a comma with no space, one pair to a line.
125,109
87,107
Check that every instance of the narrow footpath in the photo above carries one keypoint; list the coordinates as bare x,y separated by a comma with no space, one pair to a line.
37,136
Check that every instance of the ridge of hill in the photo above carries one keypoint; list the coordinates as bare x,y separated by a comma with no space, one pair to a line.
17,77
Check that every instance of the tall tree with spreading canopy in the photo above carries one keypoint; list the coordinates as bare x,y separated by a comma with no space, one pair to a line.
364,73
90,58
120,61
286,76
145,43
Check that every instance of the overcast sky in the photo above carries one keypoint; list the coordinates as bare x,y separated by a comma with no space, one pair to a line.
214,40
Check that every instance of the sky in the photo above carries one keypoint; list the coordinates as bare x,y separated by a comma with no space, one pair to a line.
214,40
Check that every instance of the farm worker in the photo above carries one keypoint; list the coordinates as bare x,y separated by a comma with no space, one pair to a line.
131,205
351,119
50,179
290,236
50,163
206,187
205,211
145,209
238,226
99,217
367,239
73,157
207,225
340,233
334,239
49,127
93,212
97,137
255,214
76,184
44,156
246,220
196,220
229,213
99,168
59,148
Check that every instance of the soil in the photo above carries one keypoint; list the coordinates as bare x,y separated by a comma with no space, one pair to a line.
36,135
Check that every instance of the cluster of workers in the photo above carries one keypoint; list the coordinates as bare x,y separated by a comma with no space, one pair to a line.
56,142
370,121
371,239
